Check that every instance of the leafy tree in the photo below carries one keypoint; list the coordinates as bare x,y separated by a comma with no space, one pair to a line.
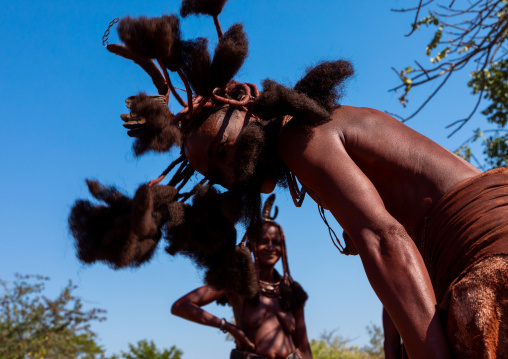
465,35
35,326
147,350
331,346
375,348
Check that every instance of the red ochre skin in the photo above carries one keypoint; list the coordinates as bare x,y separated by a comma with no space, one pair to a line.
265,328
379,178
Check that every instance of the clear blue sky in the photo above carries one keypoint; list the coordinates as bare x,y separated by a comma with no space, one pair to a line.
61,96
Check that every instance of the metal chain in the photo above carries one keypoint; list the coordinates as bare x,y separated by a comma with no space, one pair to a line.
106,33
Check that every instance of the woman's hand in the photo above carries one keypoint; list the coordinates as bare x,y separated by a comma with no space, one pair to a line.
241,339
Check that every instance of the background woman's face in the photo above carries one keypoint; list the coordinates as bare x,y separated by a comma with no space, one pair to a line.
269,248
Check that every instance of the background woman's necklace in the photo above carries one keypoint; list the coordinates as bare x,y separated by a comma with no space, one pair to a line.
269,289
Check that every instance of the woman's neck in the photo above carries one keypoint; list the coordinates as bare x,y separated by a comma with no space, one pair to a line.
267,274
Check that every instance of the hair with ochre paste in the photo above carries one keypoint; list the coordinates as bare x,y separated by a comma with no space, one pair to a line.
125,232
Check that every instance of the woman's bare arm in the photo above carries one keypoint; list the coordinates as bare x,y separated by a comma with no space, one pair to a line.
189,307
300,336
391,260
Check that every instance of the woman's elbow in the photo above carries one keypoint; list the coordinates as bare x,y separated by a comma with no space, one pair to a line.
384,241
178,307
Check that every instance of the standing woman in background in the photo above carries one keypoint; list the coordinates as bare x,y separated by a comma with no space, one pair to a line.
270,325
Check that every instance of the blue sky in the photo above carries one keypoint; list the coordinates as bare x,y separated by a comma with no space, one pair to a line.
62,94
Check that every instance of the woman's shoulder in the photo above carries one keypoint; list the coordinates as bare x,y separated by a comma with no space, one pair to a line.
296,131
298,144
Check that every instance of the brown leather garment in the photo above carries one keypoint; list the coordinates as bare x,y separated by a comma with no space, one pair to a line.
468,224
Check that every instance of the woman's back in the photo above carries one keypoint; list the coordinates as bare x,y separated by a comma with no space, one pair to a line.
404,166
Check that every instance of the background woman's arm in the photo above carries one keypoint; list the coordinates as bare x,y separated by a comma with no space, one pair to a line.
300,336
189,307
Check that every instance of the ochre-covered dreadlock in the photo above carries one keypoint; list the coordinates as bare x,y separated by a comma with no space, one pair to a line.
125,231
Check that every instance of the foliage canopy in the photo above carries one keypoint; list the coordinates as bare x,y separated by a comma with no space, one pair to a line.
35,326
331,346
147,350
471,36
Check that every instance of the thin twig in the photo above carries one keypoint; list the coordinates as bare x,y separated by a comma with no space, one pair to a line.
465,120
430,97
415,22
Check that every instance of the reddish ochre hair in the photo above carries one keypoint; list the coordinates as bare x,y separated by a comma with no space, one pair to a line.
200,222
